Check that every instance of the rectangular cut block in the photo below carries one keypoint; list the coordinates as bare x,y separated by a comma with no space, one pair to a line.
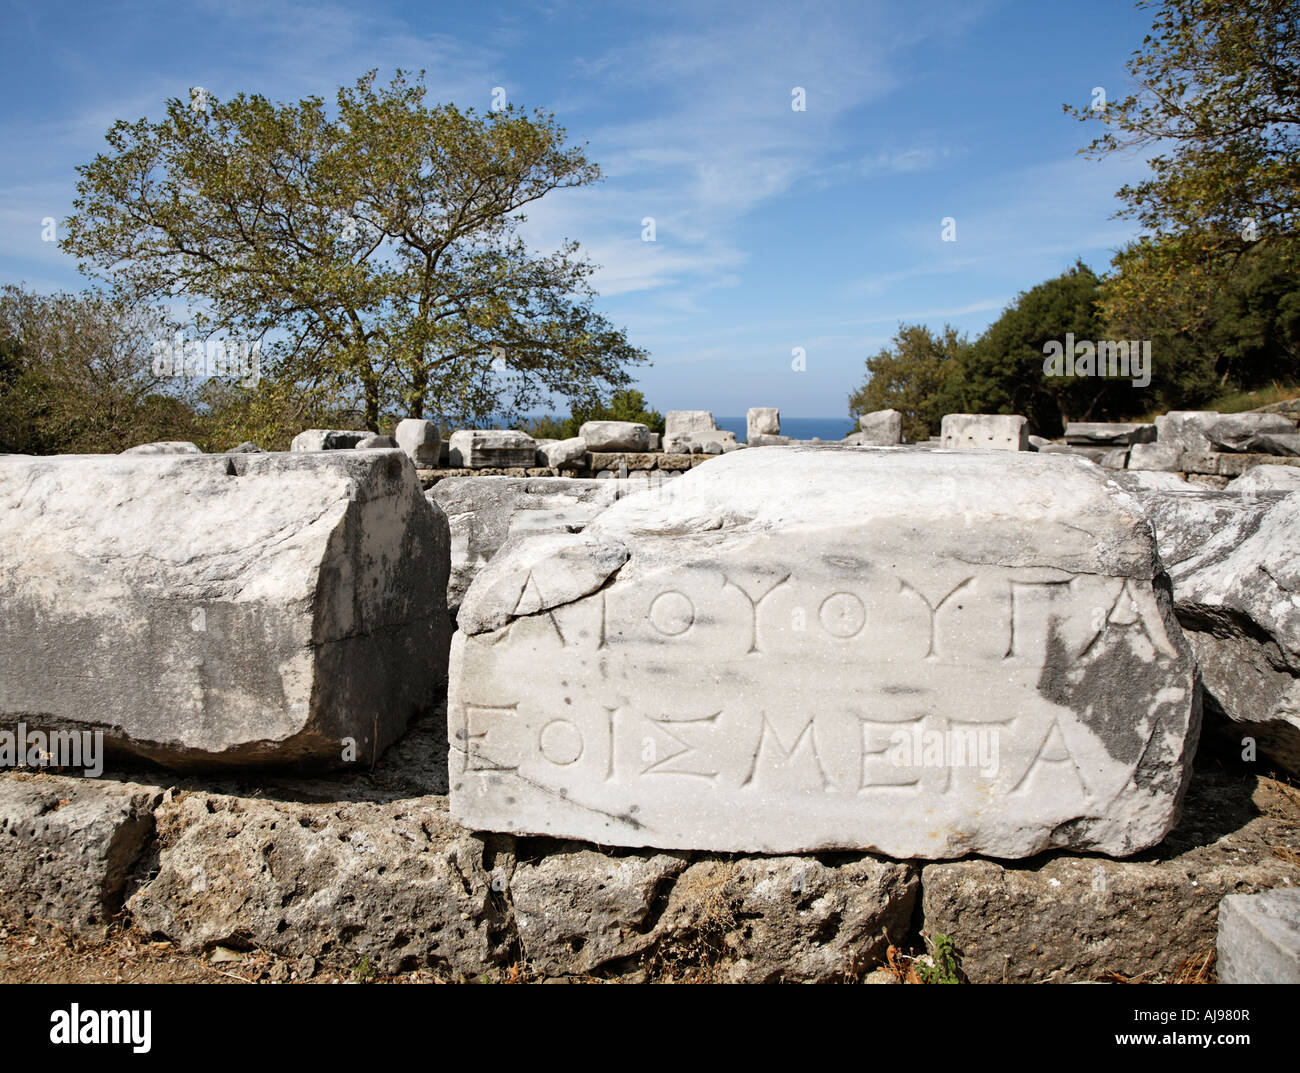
210,610
1108,433
761,421
615,436
882,428
491,449
993,432
683,422
919,653
1162,457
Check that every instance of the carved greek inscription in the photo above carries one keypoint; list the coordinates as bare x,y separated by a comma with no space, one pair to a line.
475,715
675,729
755,599
776,760
934,608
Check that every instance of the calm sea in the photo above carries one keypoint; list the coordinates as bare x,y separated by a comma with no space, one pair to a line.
799,428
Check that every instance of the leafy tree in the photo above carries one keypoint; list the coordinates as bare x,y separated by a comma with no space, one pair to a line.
1243,330
1218,91
375,251
76,375
915,375
1003,372
1218,96
628,405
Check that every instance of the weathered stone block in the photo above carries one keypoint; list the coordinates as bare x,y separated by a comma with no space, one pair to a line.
327,439
760,421
684,422
843,632
1162,457
165,447
377,443
67,847
700,442
615,436
491,449
1259,938
993,432
485,512
399,884
1108,433
564,454
883,428
1235,565
420,439
221,610
1267,479
1202,431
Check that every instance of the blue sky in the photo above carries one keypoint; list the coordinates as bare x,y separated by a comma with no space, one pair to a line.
775,228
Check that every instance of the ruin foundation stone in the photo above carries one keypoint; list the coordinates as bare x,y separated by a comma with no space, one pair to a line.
920,653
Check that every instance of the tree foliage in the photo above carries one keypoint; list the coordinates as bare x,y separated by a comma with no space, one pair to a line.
374,250
1218,93
916,374
76,375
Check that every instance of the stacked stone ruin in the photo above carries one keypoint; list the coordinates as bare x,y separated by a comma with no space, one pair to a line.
930,657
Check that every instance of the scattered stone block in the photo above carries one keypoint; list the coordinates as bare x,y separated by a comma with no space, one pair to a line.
684,422
327,439
222,610
491,449
377,443
615,436
246,448
760,421
1114,458
165,447
883,428
1161,457
1204,431
1108,433
825,617
698,442
1259,938
564,454
1243,433
420,439
993,432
